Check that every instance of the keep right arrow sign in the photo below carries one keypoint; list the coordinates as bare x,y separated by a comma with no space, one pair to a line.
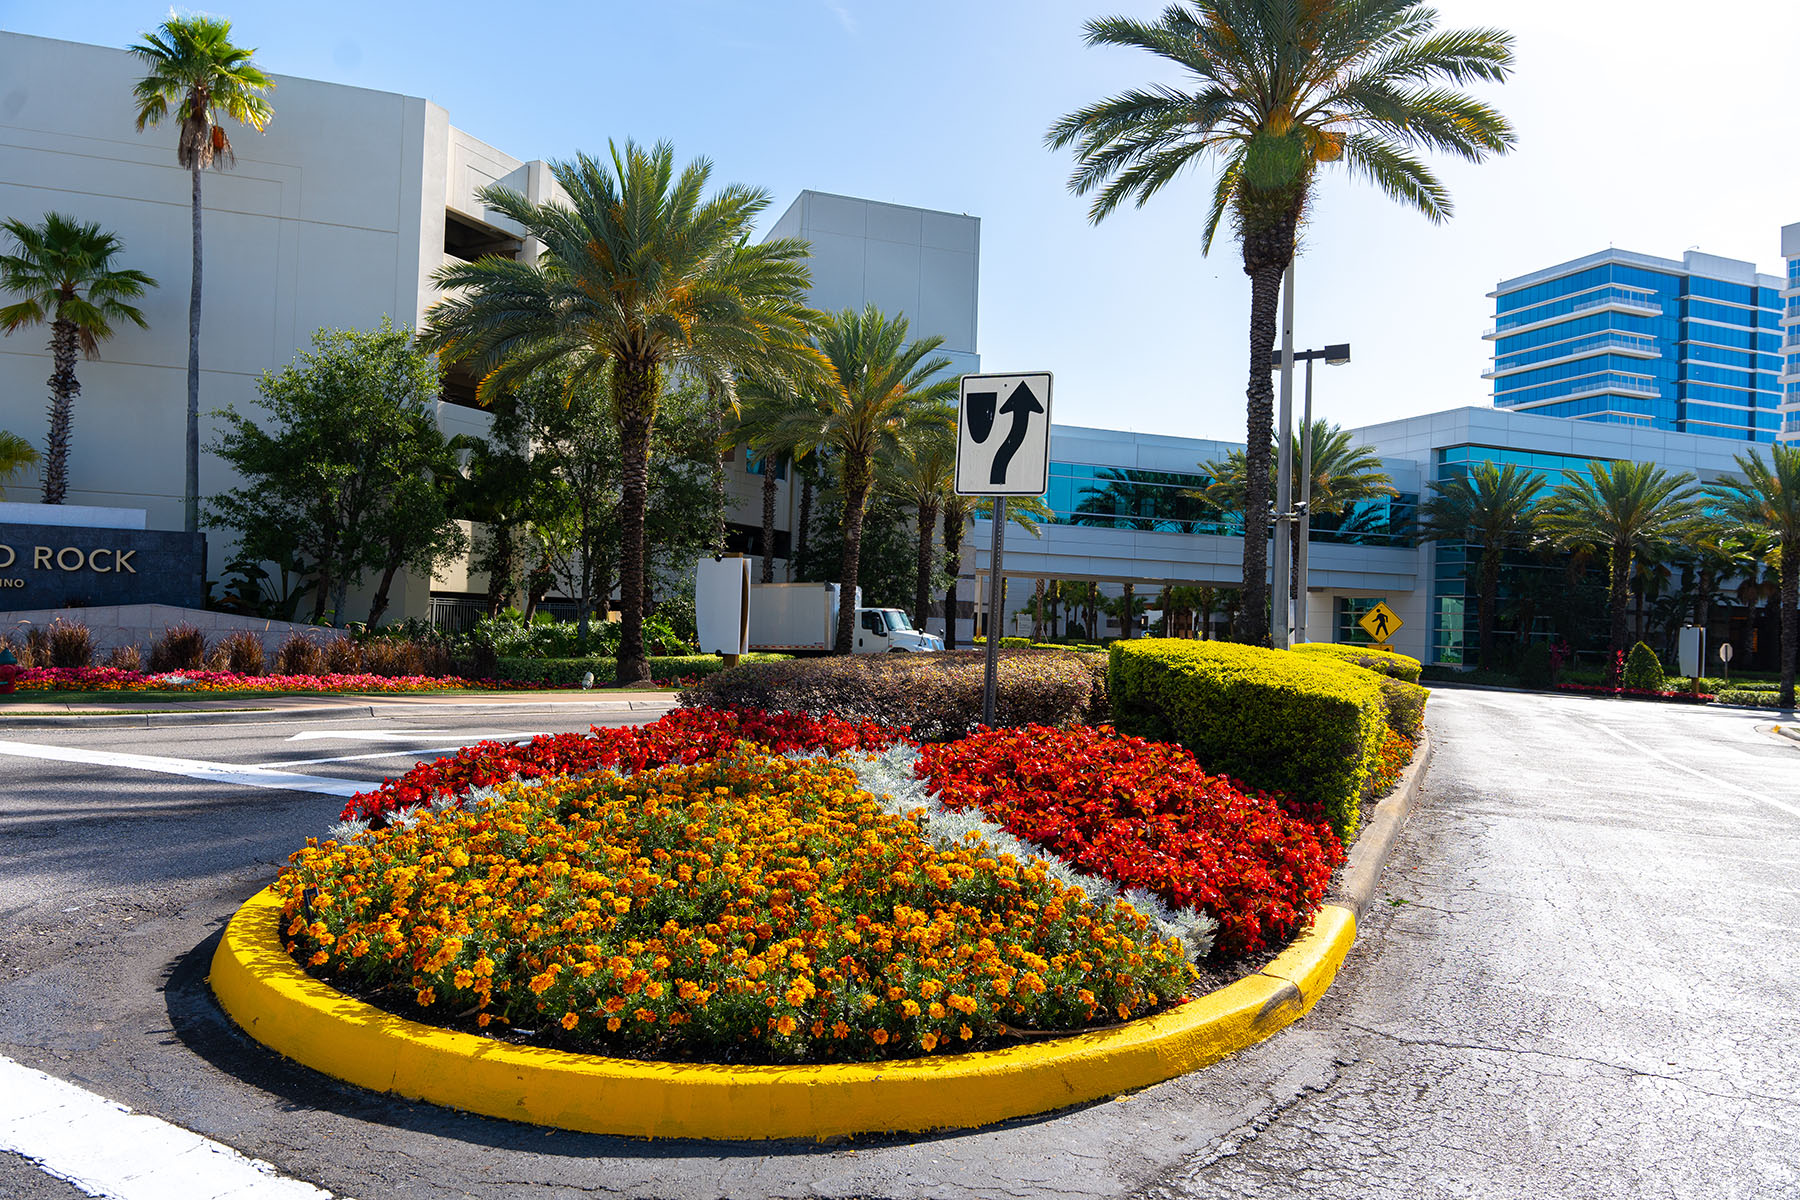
1003,435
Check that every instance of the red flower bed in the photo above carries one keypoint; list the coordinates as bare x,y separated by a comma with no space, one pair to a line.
1592,689
684,736
1144,814
112,679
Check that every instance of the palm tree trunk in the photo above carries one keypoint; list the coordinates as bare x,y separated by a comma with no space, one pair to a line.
1621,603
856,498
191,488
1266,256
768,524
636,407
1128,613
1037,612
922,584
64,387
954,520
805,519
1489,599
1790,620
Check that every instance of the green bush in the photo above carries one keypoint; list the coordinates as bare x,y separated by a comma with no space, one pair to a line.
1382,662
509,636
937,696
1754,699
1643,670
1403,706
1536,666
1303,724
567,672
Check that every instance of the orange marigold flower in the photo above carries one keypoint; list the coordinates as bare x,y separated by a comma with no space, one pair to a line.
570,1020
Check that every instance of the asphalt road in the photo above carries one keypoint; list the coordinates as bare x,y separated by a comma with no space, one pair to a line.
1576,981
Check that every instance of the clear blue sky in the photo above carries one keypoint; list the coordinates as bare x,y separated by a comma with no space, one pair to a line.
1640,125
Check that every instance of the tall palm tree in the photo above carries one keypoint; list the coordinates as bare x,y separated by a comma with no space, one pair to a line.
196,72
1270,91
1493,507
765,405
921,474
1766,495
642,273
878,384
62,272
1625,508
16,457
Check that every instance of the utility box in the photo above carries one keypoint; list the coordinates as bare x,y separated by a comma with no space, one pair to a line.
1690,651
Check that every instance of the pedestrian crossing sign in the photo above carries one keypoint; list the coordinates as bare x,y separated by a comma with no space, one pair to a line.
1379,622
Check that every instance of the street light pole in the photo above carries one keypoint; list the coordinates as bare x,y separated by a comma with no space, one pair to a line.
1334,355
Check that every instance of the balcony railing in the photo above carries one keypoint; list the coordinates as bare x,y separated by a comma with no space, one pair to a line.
1602,343
1643,304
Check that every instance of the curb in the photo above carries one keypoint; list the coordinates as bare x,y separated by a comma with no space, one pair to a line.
1369,855
268,995
275,716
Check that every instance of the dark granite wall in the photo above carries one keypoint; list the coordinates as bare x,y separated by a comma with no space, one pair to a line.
53,566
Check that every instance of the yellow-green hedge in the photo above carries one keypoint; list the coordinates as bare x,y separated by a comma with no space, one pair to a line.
1382,662
1306,725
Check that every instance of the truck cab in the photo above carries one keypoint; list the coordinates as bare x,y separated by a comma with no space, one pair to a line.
890,631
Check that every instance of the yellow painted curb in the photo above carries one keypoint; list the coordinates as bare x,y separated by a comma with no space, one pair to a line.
274,1001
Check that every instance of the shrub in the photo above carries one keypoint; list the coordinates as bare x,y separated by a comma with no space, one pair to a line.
937,696
567,672
391,657
1403,706
181,648
1537,666
343,656
1754,699
1144,814
124,658
217,659
1301,724
1643,670
1382,662
299,655
71,644
243,653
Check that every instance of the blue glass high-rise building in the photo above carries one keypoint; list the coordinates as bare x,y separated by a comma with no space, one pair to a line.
1629,339
1790,335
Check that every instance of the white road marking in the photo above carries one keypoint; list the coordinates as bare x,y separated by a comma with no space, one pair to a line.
1714,780
312,762
409,735
212,772
105,1149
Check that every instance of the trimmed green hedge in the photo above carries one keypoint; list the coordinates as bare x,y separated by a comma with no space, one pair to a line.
1403,704
568,671
1302,724
1382,662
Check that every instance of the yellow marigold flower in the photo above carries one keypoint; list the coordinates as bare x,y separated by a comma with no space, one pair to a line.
654,989
612,1024
465,978
909,1008
964,1032
929,1041
785,1025
570,1020
426,997
880,1037
936,1010
319,959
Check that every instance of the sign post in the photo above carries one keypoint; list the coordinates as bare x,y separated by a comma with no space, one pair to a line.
1381,623
1725,657
1014,463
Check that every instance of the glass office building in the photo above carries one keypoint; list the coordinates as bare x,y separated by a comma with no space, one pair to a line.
1620,338
1790,335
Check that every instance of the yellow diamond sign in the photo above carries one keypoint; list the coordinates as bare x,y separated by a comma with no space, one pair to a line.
1380,622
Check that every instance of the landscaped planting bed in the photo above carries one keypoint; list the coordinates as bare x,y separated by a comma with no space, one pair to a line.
112,679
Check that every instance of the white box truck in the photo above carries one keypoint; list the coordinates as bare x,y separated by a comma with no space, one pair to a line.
797,618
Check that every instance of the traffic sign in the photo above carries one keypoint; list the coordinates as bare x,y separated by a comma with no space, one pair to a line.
1380,622
1003,435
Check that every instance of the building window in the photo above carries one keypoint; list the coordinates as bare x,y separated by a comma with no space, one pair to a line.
470,240
1350,611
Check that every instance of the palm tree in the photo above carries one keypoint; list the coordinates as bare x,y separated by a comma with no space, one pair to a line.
196,72
1626,508
1271,90
16,457
63,274
1767,496
921,475
1493,507
878,385
643,274
764,404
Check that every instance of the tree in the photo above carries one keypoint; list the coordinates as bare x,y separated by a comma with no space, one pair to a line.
767,406
63,273
1623,508
644,273
336,479
921,474
196,72
1271,90
1493,507
16,457
878,385
1766,495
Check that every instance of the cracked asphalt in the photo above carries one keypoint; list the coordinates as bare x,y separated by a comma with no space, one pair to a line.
1575,981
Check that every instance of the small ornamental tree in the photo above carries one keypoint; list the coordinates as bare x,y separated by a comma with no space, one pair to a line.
1643,670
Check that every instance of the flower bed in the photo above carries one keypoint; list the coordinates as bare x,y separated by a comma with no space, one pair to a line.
686,735
1635,693
743,908
1144,814
112,679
